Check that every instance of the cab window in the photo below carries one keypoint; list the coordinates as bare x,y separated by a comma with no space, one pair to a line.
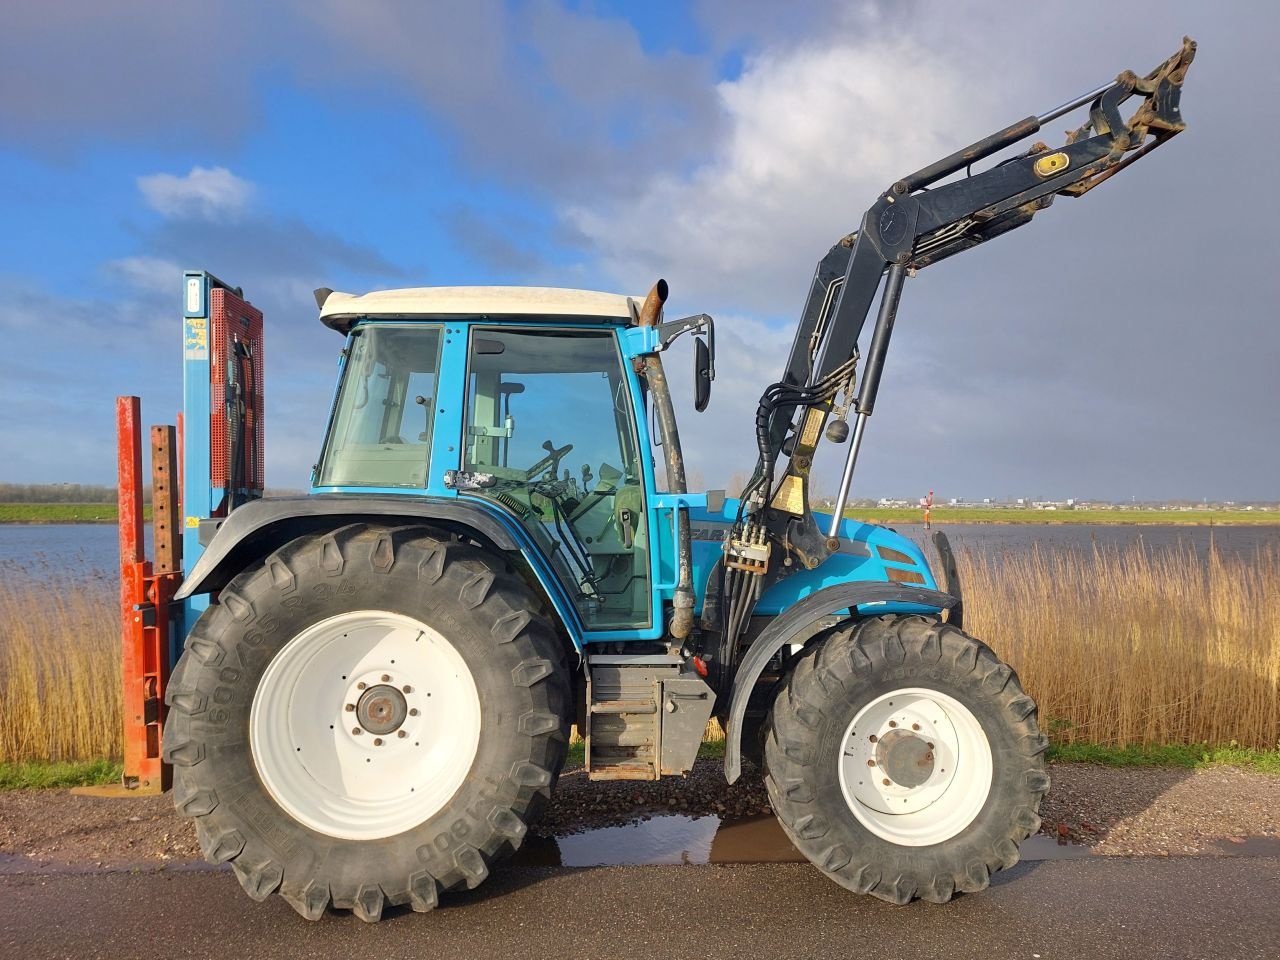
549,418
380,434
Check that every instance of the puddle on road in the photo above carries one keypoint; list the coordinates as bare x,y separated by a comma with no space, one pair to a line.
1247,847
697,840
1044,847
668,839
675,839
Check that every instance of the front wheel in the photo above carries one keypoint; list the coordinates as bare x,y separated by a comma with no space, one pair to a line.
904,760
372,715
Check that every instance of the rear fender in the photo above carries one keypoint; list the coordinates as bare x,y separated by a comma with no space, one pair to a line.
260,527
848,599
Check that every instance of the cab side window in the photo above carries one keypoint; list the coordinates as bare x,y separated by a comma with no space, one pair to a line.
549,417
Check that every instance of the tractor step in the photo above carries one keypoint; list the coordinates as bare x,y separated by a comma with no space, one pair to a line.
645,716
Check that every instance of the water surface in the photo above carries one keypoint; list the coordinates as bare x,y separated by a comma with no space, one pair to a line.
81,550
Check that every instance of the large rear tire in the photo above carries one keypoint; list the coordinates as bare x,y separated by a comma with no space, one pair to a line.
904,760
370,716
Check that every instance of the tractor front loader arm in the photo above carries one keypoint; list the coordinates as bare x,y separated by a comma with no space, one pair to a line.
917,221
921,219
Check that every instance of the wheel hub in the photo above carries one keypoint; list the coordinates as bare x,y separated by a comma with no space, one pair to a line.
365,724
905,751
381,709
905,758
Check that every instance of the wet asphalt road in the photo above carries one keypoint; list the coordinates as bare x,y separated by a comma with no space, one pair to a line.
1093,907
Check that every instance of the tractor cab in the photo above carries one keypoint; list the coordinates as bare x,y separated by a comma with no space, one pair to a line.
524,398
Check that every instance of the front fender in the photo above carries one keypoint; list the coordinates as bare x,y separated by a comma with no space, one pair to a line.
844,597
261,526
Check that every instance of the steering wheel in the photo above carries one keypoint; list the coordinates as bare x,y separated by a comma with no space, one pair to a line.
550,462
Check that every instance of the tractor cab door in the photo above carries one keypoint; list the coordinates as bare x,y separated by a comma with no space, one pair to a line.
550,417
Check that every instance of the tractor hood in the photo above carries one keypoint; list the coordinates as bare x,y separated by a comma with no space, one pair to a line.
867,552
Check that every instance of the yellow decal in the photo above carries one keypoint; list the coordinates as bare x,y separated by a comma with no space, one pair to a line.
790,495
193,522
812,424
196,339
1053,163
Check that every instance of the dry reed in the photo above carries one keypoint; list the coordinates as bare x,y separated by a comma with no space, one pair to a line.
1118,647
59,671
1137,646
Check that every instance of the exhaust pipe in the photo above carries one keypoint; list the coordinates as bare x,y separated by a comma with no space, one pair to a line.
682,600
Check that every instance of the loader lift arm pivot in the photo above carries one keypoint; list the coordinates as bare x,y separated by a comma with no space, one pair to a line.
921,219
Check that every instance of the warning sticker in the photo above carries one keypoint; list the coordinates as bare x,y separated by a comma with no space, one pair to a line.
195,338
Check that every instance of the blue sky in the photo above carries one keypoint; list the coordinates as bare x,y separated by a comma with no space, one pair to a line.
1123,345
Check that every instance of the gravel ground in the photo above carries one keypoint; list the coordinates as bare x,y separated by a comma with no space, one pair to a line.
1115,811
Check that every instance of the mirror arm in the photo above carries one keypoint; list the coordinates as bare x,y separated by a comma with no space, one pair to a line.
668,332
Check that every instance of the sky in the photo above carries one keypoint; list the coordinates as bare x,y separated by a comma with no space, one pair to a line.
1124,345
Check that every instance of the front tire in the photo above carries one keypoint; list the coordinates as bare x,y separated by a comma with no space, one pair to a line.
904,760
371,716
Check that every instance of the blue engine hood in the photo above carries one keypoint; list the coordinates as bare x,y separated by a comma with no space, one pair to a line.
867,553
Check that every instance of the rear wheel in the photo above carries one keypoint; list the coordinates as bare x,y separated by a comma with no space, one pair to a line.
372,716
904,760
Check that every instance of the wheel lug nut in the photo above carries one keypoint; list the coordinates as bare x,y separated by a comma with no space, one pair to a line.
413,711
401,734
871,763
893,723
360,685
377,741
386,678
350,708
873,738
886,781
915,726
356,731
408,689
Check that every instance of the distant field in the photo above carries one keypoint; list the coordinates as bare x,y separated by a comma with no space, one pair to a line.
106,513
944,515
60,512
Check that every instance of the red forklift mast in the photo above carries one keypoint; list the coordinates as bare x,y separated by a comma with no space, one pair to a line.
203,468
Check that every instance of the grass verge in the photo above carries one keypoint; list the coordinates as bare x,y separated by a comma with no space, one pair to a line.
62,512
78,773
1168,755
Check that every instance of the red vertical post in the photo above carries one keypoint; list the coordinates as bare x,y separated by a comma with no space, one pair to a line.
141,676
128,490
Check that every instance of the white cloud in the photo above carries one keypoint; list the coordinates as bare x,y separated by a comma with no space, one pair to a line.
813,134
206,193
148,274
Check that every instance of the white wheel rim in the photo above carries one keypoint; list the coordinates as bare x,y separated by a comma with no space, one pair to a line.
935,748
418,723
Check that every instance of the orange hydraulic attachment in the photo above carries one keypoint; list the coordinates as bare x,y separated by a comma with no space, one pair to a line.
146,590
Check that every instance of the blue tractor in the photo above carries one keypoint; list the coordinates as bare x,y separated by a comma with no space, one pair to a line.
377,698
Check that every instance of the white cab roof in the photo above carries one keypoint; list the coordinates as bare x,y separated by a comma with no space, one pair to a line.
474,301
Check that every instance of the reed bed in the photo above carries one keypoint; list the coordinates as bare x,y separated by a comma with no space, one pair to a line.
1137,646
59,670
1132,647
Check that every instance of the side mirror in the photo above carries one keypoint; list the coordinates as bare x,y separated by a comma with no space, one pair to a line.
702,374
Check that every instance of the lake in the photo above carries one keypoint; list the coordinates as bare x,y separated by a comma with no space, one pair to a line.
57,551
